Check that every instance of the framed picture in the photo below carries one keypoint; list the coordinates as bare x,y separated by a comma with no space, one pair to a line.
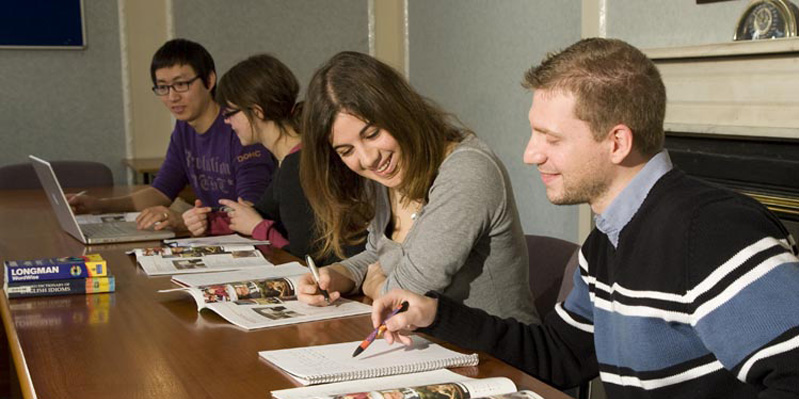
42,24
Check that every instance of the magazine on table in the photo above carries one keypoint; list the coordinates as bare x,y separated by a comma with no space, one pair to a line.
158,261
260,298
437,384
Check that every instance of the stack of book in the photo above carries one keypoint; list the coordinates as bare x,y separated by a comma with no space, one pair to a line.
86,274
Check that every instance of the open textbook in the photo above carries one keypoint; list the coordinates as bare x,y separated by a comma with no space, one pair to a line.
158,261
230,239
260,298
438,384
334,363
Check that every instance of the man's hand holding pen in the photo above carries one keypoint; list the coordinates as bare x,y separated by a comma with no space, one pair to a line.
421,312
379,329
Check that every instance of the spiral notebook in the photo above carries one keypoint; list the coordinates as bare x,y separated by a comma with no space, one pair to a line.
334,363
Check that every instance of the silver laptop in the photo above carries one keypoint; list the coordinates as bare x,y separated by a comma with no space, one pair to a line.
91,229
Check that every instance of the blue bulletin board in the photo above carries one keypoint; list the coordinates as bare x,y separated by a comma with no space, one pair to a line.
42,24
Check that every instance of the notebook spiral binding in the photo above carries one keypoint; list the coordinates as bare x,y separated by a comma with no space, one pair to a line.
460,361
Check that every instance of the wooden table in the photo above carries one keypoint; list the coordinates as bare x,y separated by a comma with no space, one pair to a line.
137,343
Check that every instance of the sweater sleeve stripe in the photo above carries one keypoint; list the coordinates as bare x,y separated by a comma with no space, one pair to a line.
706,285
651,345
579,301
733,263
658,310
753,313
650,384
767,352
758,272
571,321
641,311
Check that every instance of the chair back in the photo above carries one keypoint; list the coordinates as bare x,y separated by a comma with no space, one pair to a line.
71,174
552,264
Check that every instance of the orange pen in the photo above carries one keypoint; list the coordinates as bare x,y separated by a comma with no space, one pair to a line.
379,330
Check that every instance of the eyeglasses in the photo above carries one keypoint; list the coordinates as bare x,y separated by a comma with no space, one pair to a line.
229,112
178,87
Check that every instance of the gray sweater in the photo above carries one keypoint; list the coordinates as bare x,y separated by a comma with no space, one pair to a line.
466,242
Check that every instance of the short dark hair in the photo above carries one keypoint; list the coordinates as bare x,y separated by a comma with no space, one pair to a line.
612,82
184,52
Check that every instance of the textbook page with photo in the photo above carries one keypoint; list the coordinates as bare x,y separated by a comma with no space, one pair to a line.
230,239
443,384
261,298
158,261
334,363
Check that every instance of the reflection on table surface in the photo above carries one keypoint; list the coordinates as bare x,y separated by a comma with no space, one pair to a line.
137,343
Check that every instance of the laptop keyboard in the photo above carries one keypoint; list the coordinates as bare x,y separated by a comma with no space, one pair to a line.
110,229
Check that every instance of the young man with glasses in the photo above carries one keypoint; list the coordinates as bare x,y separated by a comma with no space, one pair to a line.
203,152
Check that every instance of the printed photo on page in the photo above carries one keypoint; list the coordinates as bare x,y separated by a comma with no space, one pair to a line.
260,298
488,388
201,259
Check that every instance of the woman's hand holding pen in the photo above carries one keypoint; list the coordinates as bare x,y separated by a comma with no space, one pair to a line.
196,219
421,313
243,217
331,278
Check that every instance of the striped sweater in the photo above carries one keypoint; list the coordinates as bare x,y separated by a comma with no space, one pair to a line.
698,298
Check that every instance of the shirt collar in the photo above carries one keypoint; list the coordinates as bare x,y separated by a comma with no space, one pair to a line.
627,203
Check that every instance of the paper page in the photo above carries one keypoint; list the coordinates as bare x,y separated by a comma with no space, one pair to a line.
180,260
395,381
447,389
284,270
107,218
260,298
488,387
515,395
272,312
416,385
248,292
230,239
308,364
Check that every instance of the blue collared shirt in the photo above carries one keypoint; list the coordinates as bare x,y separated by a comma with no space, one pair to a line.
627,203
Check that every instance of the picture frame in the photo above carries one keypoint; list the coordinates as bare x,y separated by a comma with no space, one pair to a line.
42,25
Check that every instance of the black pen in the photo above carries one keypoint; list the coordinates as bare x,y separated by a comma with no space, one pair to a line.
315,274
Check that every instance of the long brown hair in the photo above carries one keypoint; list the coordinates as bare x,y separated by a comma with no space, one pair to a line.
264,81
364,87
